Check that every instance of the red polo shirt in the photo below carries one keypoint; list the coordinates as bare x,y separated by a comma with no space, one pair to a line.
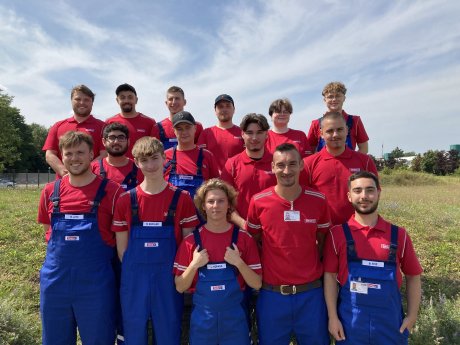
292,136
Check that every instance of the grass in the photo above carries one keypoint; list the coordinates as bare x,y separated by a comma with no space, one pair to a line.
427,206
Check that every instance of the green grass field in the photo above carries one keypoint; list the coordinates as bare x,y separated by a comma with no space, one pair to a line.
428,207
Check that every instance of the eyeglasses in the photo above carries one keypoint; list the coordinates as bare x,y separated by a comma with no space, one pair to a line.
121,138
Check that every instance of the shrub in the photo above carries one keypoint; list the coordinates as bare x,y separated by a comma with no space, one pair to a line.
15,326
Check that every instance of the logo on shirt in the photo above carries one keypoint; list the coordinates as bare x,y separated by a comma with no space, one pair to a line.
385,246
151,244
239,138
218,288
310,221
141,130
89,129
269,172
355,170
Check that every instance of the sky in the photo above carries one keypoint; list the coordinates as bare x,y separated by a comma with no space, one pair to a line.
400,60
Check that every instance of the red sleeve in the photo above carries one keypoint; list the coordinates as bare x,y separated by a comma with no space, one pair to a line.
324,221
250,254
361,135
52,141
227,173
304,177
408,260
202,140
186,214
313,134
330,254
184,256
253,223
122,216
43,216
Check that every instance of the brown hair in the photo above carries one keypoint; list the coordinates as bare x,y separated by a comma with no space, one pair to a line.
213,184
146,147
276,106
83,89
254,118
174,89
75,138
335,86
363,174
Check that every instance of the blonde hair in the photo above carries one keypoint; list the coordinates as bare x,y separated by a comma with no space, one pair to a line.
146,147
215,184
335,86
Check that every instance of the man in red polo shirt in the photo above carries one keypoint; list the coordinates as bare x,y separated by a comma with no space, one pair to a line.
328,170
82,103
139,125
291,222
175,102
250,171
366,256
224,140
334,96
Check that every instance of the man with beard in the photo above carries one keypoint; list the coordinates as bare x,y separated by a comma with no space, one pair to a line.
366,256
290,221
82,103
116,166
223,140
249,172
77,285
139,125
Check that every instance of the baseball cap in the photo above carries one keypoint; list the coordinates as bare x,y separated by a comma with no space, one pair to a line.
125,87
224,97
183,117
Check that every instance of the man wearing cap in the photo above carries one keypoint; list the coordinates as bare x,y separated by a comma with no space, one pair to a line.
175,102
188,165
82,103
224,140
139,125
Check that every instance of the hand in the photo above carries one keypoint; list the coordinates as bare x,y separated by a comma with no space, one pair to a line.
199,258
233,256
336,329
63,172
407,323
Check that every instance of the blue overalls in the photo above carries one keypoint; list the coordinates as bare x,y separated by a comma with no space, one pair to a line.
321,142
147,281
167,142
77,285
370,302
130,180
218,315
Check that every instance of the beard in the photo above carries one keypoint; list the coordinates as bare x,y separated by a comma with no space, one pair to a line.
127,108
117,153
371,210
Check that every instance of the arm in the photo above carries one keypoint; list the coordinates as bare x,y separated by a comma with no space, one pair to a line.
185,280
414,294
55,163
363,147
186,231
330,295
233,256
122,243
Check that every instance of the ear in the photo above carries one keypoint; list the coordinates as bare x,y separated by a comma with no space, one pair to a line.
185,102
349,196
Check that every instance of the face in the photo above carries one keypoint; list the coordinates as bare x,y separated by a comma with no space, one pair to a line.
334,101
224,111
151,165
216,205
364,195
77,159
116,143
175,102
287,166
254,138
334,132
282,117
185,133
127,101
81,104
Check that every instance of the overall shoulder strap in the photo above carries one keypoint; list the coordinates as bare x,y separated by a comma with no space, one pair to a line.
235,233
134,205
99,195
55,198
162,132
351,249
173,207
131,179
102,171
197,237
199,163
320,139
393,244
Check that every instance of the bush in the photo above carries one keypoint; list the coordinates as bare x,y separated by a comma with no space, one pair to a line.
16,327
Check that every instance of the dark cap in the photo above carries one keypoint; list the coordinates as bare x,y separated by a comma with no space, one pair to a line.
125,87
224,97
183,117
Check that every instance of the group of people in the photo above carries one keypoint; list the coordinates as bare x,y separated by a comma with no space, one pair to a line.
142,212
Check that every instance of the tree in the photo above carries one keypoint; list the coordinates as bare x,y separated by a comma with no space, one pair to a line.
416,164
39,134
10,140
397,153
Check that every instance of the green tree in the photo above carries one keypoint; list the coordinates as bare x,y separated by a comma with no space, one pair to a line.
39,134
397,153
10,140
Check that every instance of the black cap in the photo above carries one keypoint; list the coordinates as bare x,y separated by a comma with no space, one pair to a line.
125,87
224,97
182,117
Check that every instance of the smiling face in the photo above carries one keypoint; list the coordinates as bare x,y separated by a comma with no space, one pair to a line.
224,111
254,138
281,118
127,101
216,205
286,166
116,144
82,104
175,102
77,159
185,133
334,101
364,195
151,166
334,132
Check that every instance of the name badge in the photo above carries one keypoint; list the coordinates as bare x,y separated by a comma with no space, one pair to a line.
72,238
291,216
218,288
216,266
152,224
358,287
355,170
172,140
151,244
186,177
124,186
74,216
373,286
373,263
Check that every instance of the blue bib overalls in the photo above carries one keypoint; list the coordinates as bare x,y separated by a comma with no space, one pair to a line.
77,285
321,142
370,302
147,282
167,142
190,183
218,315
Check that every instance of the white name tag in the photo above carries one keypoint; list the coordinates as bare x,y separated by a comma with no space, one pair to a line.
151,244
74,216
291,216
216,266
124,186
373,263
373,286
355,170
72,238
173,140
217,287
152,223
186,177
358,287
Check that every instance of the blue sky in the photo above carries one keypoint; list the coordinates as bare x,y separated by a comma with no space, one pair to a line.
400,60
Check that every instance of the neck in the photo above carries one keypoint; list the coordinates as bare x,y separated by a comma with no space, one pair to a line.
217,226
80,118
185,147
82,180
280,129
255,154
367,219
129,115
225,125
335,151
153,185
288,193
119,161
